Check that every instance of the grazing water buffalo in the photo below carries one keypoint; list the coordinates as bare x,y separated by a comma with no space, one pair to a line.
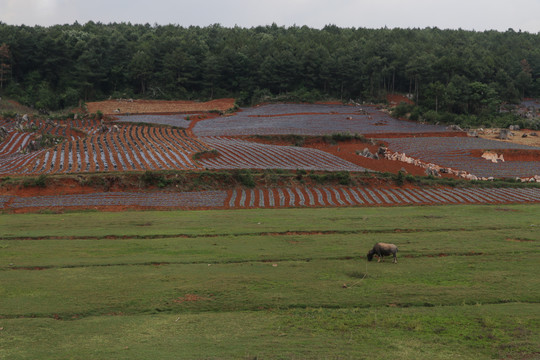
381,250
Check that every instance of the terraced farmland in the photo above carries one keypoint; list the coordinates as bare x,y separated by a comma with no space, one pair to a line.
129,145
186,200
129,148
306,119
455,153
279,197
241,154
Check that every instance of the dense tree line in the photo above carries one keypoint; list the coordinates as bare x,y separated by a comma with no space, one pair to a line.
452,71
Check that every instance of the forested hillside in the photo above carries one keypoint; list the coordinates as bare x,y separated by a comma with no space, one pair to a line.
446,71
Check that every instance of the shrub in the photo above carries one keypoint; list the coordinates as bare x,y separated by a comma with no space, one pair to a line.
337,137
415,114
40,181
245,177
9,114
400,178
402,109
206,154
150,178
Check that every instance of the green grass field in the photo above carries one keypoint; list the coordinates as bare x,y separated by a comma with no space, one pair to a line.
272,284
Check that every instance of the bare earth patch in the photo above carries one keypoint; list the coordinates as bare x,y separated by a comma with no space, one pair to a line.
122,106
518,138
190,298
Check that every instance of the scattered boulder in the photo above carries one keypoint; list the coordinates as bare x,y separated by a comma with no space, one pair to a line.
493,157
513,127
533,134
454,128
524,135
3,133
504,134
366,153
472,133
432,171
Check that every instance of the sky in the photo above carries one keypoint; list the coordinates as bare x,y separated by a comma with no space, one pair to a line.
476,15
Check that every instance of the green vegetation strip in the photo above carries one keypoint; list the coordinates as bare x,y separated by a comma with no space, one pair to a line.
454,332
294,292
240,222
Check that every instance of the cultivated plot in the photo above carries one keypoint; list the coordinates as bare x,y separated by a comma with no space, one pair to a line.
127,148
241,154
307,119
456,153
278,197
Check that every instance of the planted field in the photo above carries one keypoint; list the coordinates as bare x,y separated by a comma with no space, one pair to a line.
241,154
185,200
289,283
129,148
380,196
275,197
456,153
307,119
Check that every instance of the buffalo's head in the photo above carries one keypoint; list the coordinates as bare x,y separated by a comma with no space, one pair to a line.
370,255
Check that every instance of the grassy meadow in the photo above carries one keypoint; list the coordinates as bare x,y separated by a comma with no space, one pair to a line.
271,284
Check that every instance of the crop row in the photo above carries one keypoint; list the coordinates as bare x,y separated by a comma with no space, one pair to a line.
130,148
455,153
348,196
14,142
206,199
280,197
306,119
241,154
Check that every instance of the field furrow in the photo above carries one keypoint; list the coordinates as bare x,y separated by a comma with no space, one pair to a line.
240,154
457,153
127,148
327,196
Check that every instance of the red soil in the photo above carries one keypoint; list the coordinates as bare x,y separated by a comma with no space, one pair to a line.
111,107
395,99
348,151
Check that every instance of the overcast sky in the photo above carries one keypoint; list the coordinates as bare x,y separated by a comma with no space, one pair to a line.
445,14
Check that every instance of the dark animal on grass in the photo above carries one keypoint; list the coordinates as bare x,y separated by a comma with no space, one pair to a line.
382,250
